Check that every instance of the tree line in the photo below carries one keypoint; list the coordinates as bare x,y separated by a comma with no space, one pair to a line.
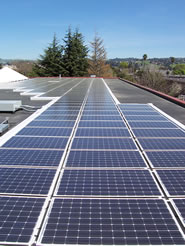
72,59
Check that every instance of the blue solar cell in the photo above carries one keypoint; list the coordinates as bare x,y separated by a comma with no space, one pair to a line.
103,143
46,131
105,159
103,132
101,117
160,143
128,113
158,133
107,183
99,107
37,142
111,222
26,180
100,112
30,157
66,123
58,112
174,181
152,124
56,117
64,108
84,123
145,118
173,159
18,217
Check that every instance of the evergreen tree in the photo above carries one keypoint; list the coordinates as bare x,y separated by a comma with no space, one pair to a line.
51,63
97,61
75,54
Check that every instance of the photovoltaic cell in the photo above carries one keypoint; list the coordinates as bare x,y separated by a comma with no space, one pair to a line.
67,123
153,124
100,112
105,159
116,222
145,118
45,131
37,142
26,180
131,113
99,107
56,117
103,143
30,157
174,181
84,123
180,205
159,133
58,112
173,159
18,217
101,117
107,183
167,143
103,132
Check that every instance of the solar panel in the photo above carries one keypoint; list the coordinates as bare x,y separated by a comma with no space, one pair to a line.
103,143
116,222
145,118
45,131
18,217
30,157
67,123
107,183
166,143
102,132
101,117
173,159
158,132
105,159
56,117
174,181
151,124
37,142
84,123
26,180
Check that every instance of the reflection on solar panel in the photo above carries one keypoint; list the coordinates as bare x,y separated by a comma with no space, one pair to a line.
105,221
180,205
26,180
173,159
108,183
174,181
105,159
101,117
45,131
18,217
113,124
103,143
168,143
159,133
153,124
102,132
36,142
66,123
30,157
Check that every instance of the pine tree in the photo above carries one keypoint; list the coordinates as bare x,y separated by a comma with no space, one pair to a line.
97,61
75,54
51,63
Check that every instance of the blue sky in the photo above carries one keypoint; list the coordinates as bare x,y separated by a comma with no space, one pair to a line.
129,28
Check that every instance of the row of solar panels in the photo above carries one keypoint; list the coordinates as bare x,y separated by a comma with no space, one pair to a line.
147,220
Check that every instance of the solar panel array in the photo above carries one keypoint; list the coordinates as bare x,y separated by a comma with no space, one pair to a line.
88,171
